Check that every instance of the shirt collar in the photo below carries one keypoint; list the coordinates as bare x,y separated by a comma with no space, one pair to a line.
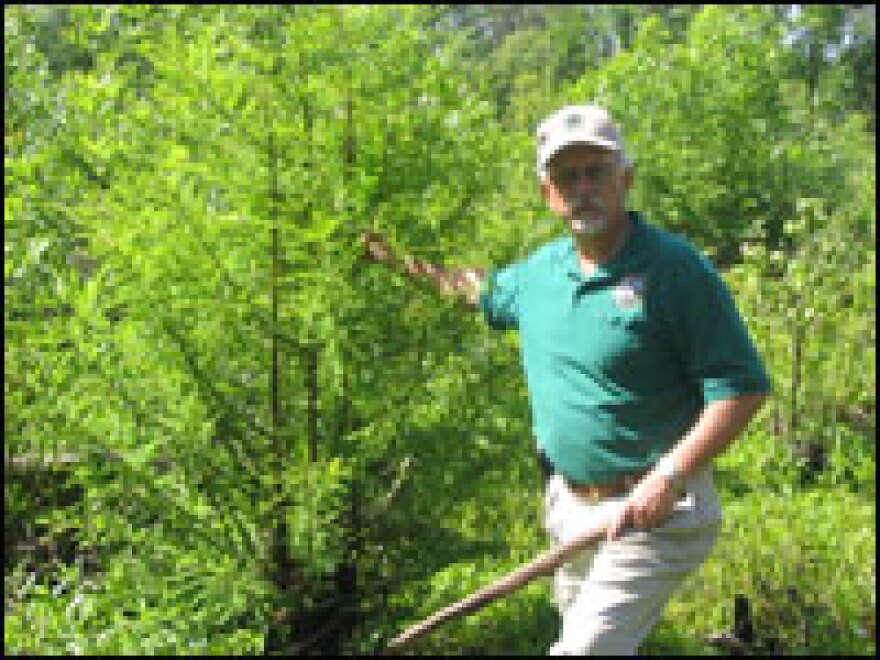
568,256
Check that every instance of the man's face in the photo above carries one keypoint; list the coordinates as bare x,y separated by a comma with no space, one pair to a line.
586,186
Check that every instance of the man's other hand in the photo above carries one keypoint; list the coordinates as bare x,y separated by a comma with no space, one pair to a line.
375,247
649,505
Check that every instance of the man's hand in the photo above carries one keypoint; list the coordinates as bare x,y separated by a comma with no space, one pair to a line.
376,247
651,501
463,283
468,282
649,505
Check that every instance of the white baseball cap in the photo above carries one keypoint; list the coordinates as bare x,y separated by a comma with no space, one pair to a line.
576,124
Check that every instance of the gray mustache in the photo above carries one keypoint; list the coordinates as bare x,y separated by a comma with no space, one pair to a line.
587,203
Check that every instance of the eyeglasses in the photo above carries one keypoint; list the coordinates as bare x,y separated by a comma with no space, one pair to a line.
569,176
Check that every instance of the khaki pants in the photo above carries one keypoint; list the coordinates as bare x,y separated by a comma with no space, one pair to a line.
612,595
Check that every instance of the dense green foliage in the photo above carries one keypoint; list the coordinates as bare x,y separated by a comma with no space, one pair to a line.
227,433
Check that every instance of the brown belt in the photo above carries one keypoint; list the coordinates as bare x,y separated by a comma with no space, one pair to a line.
595,492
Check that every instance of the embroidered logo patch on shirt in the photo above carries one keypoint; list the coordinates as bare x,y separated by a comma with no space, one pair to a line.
629,292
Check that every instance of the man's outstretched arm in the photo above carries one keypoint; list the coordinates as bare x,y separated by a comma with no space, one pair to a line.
460,283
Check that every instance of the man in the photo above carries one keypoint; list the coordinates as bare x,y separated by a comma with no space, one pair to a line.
640,371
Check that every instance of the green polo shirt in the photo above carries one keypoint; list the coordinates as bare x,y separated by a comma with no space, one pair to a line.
620,364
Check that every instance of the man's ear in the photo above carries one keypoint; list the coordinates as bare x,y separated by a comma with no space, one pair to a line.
628,177
545,188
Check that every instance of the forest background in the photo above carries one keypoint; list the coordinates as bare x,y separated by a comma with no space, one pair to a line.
227,433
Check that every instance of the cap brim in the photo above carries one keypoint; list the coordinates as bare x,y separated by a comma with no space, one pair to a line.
554,148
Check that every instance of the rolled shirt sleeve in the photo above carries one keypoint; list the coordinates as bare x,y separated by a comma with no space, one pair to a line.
709,334
500,296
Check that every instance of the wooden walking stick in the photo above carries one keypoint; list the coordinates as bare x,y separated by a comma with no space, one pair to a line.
543,564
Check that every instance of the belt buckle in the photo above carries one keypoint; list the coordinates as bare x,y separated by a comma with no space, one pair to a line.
593,495
586,493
